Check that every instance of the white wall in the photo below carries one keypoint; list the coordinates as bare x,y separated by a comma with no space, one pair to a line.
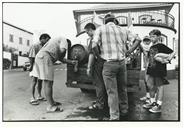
7,30
175,12
7,55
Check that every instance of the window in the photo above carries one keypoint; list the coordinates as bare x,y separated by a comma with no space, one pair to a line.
173,44
164,40
28,42
122,19
11,38
20,40
145,19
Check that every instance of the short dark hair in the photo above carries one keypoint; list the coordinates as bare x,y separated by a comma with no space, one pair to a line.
90,25
44,36
155,32
146,39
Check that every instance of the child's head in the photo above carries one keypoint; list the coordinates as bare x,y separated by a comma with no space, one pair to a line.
146,40
155,35
44,38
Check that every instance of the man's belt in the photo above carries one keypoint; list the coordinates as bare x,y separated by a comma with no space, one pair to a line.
115,60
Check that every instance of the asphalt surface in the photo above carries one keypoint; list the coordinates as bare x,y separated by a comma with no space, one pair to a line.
17,93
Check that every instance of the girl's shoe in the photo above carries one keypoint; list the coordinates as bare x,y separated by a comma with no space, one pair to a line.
155,109
149,105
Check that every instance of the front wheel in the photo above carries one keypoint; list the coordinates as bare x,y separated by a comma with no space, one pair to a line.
24,69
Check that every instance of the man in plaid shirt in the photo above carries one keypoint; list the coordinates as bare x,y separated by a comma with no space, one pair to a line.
112,41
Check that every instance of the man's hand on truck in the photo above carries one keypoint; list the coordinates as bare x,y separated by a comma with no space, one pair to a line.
89,71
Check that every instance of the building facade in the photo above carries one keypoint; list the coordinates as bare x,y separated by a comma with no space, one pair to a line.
144,17
17,39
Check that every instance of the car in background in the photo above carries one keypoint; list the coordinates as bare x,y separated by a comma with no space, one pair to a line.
6,63
26,66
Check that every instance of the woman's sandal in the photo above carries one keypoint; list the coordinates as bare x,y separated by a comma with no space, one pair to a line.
34,102
41,98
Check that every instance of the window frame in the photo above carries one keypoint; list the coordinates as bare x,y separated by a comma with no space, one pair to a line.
28,42
20,40
11,38
166,38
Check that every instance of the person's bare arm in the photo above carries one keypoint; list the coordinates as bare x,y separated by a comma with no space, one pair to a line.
68,61
31,57
31,60
142,50
172,55
136,43
64,60
90,63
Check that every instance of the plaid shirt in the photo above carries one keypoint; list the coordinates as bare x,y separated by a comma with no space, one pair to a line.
112,40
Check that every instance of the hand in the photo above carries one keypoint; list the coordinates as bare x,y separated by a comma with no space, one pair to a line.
127,60
127,53
89,72
171,57
165,61
74,62
30,68
75,66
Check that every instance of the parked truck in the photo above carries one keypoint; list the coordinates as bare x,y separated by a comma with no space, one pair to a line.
80,79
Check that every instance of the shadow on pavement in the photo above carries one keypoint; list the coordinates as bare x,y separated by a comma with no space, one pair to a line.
136,112
93,114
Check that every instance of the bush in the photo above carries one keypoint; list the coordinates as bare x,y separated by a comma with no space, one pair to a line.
6,63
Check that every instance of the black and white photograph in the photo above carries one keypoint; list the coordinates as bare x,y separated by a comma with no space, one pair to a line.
91,62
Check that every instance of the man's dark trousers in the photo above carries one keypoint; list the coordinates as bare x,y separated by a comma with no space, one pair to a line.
99,82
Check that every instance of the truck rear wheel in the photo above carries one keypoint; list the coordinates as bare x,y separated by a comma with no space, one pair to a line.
87,90
84,90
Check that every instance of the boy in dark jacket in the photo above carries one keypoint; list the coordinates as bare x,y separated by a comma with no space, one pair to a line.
159,56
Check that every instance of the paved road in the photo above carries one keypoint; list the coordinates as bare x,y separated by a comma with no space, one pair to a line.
16,95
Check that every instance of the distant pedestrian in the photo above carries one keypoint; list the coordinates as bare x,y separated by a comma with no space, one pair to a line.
53,50
159,56
34,78
94,69
112,42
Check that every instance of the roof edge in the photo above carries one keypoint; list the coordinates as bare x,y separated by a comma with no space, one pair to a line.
100,9
17,27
